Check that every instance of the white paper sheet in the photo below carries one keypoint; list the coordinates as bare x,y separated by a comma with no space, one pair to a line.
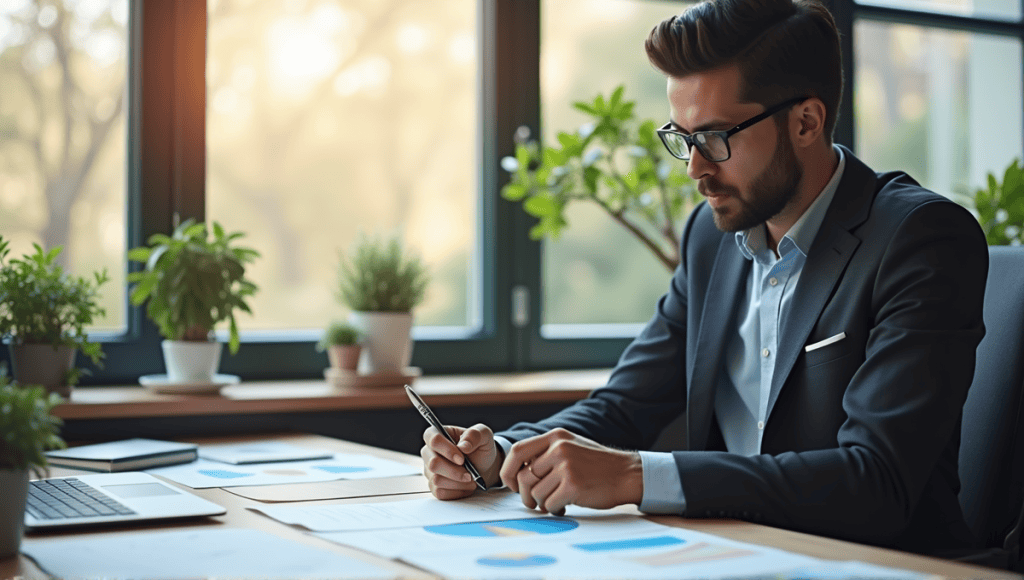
197,553
493,505
670,553
204,473
261,452
494,534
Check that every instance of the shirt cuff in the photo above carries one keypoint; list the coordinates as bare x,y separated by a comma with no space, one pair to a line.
663,490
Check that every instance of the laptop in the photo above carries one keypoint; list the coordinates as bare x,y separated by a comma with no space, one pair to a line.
106,498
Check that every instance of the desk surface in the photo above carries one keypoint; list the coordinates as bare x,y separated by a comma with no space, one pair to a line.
239,517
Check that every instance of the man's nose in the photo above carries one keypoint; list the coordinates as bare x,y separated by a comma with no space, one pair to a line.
699,167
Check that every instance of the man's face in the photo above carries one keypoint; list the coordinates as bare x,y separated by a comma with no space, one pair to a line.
762,174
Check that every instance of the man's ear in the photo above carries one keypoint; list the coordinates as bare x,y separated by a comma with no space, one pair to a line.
807,122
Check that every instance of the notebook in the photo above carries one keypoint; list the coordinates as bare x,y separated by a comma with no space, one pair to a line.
126,455
104,498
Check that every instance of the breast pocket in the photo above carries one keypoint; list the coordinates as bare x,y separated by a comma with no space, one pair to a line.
827,350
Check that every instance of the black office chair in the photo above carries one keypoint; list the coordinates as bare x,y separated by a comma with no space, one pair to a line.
992,435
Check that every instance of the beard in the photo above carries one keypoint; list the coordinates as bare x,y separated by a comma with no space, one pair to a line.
770,191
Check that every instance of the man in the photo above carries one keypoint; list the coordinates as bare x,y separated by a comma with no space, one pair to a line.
819,334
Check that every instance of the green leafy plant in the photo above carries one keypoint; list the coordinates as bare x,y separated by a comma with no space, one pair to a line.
339,334
380,277
193,282
616,162
27,426
42,304
1000,207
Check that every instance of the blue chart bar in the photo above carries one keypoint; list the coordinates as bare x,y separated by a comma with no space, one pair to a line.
655,542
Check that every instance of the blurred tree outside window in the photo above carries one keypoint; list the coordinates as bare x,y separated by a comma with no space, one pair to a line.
62,136
327,119
946,107
597,273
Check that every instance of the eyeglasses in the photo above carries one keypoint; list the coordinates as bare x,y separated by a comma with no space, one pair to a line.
713,145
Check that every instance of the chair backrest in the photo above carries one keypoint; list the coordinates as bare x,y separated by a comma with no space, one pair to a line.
992,434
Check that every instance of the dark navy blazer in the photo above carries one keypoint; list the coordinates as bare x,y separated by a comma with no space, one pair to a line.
862,435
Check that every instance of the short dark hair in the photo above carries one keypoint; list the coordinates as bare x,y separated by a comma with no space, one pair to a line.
783,49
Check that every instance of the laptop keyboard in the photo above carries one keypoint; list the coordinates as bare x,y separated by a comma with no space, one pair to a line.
50,499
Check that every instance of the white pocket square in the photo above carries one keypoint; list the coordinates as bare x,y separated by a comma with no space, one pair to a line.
825,342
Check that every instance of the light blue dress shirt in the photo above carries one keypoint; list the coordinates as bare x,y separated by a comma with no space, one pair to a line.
741,397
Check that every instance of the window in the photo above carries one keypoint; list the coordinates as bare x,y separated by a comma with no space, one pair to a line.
331,120
944,105
305,123
63,69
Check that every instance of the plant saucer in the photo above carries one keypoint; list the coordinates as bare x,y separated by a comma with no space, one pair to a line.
163,384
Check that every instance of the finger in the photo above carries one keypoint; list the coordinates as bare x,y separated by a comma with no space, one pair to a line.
526,481
441,445
435,464
542,490
516,460
558,499
475,437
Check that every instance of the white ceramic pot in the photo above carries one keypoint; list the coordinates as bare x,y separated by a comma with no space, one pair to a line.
387,346
190,361
41,364
14,483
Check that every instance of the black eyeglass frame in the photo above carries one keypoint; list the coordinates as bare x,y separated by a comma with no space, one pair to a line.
667,129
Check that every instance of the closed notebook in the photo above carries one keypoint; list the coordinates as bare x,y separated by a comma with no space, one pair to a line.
126,455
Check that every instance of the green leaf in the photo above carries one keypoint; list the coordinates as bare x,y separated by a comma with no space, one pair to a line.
513,192
541,205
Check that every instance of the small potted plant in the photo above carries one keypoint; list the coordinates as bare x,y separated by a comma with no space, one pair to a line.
43,315
341,341
193,282
381,285
28,429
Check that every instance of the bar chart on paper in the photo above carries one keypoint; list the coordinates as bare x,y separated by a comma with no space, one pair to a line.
506,528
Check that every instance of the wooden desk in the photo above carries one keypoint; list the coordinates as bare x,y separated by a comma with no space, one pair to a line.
240,517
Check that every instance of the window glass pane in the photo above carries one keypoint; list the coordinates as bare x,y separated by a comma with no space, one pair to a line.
597,272
327,119
62,137
1006,9
943,106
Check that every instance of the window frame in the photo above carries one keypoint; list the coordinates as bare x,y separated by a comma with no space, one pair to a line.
166,165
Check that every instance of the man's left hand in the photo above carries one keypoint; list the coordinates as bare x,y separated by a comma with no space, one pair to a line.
560,468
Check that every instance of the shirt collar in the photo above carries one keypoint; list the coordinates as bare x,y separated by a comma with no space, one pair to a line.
752,241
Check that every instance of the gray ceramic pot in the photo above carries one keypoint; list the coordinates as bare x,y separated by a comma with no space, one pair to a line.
13,489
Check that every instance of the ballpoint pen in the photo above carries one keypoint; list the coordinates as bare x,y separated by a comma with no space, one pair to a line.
436,424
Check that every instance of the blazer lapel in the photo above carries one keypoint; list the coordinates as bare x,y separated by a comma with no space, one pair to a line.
827,259
728,280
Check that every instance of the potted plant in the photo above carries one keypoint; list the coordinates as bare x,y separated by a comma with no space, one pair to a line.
193,282
28,429
341,341
1000,207
43,315
615,162
381,285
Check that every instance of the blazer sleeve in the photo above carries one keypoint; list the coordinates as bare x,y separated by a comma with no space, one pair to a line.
647,388
903,404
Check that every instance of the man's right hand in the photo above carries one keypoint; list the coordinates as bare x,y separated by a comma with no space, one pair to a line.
443,462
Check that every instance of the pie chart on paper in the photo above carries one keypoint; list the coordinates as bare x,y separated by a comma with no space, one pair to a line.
521,527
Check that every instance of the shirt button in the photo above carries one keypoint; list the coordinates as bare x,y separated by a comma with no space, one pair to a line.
766,352
760,424
773,281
